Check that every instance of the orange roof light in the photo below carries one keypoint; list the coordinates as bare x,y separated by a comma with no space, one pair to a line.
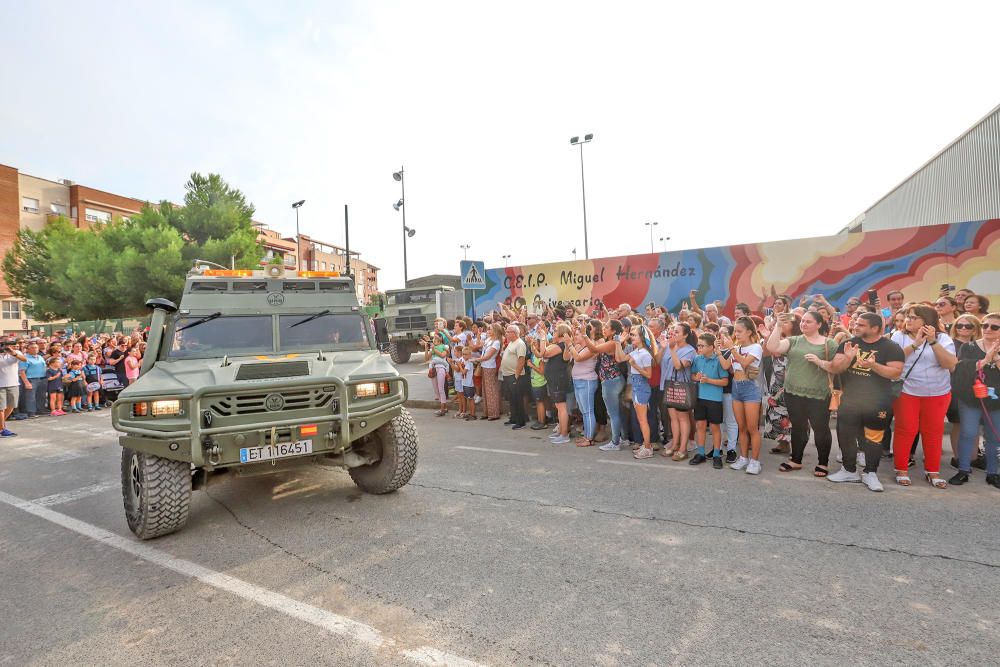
231,273
319,274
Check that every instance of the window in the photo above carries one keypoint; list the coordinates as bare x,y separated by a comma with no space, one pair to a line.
29,204
11,310
289,260
323,264
58,209
93,215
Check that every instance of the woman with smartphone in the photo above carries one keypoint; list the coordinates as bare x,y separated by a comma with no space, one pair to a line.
777,425
556,357
746,355
488,362
640,361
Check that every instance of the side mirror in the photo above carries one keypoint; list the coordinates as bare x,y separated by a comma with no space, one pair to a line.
381,334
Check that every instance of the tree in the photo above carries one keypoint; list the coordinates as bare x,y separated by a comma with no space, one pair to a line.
111,270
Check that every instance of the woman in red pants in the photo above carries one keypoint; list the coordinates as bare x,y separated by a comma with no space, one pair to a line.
921,408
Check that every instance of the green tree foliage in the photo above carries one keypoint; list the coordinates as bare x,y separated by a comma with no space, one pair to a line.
110,271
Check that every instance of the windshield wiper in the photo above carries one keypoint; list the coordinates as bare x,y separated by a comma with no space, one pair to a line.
310,318
207,318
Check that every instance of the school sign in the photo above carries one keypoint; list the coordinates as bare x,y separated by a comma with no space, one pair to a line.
916,261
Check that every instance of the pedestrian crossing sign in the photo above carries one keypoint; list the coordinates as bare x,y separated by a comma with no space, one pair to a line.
473,274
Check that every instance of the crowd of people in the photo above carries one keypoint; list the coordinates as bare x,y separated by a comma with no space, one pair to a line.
67,373
704,386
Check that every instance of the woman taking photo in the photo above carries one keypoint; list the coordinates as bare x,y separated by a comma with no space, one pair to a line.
676,366
777,425
612,380
746,356
640,361
488,362
978,362
921,408
807,388
556,356
584,375
436,356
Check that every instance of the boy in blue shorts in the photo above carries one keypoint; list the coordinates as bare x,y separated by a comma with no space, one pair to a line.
707,371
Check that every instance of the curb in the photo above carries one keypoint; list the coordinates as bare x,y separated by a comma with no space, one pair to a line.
422,405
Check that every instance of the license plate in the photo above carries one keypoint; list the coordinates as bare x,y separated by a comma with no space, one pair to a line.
278,450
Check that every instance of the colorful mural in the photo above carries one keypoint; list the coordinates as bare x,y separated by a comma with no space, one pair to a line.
916,261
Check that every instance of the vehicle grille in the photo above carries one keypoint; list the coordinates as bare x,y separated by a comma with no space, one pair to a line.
249,404
279,369
411,322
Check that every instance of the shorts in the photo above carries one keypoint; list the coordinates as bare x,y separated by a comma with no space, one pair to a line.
557,388
710,411
746,391
8,397
468,392
641,391
458,384
539,393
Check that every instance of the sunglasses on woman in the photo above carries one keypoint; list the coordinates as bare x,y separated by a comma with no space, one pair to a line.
963,325
992,327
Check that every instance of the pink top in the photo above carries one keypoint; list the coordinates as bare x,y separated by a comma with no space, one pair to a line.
132,368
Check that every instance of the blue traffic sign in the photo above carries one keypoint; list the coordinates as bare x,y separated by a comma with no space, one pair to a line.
473,274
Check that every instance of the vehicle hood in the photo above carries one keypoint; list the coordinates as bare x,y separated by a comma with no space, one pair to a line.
183,377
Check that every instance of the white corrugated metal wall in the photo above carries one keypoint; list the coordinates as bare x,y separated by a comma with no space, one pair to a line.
959,184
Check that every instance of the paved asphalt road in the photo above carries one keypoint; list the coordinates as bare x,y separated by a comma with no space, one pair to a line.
503,550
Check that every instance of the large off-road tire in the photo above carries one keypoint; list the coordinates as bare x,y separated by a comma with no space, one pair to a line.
156,492
396,443
399,352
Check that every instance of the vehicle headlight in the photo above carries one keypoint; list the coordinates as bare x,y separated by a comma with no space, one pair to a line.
164,408
366,390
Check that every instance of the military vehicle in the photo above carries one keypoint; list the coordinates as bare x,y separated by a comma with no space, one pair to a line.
258,372
410,314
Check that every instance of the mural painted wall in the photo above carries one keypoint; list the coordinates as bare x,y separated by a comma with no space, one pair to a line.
916,261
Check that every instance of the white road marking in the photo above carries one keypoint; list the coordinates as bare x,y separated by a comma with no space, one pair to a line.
321,618
651,466
76,494
497,451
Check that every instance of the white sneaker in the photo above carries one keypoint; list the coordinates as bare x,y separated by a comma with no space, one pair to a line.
840,457
610,447
477,399
753,468
740,464
871,481
559,440
844,475
861,459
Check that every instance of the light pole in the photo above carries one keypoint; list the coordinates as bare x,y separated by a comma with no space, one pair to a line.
574,254
407,232
298,239
575,141
505,258
651,225
465,250
664,239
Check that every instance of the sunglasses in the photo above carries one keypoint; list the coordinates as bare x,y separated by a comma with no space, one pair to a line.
941,304
962,325
992,327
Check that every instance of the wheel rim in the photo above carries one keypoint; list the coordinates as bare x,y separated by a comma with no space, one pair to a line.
135,480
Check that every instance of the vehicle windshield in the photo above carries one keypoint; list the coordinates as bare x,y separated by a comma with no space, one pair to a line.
341,331
222,335
401,298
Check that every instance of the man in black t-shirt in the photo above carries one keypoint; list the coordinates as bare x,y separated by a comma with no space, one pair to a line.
867,364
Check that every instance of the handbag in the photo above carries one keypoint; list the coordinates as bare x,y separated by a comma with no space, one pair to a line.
93,386
835,394
432,372
753,372
680,395
896,388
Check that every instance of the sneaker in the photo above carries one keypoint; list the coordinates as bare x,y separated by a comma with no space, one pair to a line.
740,463
753,467
731,456
559,440
697,459
537,426
7,433
19,417
610,447
958,479
861,460
476,400
717,462
98,407
625,444
844,475
643,453
840,457
979,462
517,427
871,481
993,480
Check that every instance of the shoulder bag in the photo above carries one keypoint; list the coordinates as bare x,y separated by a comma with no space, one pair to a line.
835,394
896,388
680,395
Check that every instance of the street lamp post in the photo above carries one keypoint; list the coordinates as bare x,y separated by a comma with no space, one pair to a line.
465,250
574,254
505,258
651,225
664,239
298,238
407,232
575,141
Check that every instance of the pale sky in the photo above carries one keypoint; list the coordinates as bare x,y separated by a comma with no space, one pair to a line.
726,122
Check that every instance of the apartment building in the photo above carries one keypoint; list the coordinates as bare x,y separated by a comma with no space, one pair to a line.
31,202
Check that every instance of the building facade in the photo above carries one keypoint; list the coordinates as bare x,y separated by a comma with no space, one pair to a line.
959,184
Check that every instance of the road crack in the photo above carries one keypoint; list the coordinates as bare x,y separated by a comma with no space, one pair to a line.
379,595
711,526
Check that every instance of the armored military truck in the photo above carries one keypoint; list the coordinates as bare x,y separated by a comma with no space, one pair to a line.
410,314
258,372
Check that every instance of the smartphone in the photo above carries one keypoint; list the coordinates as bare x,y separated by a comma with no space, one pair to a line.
872,296
769,311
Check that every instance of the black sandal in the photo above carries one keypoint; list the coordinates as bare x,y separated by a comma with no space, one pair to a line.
788,467
820,471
